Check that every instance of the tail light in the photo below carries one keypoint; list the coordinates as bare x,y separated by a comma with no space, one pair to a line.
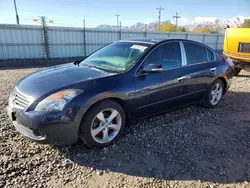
227,60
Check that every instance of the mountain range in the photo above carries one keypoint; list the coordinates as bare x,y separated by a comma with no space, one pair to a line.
198,22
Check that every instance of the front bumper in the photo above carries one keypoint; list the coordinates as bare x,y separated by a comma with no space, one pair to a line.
48,128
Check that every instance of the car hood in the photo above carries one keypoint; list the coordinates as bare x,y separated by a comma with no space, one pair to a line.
47,80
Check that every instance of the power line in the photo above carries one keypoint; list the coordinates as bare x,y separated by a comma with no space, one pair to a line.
176,20
159,17
117,19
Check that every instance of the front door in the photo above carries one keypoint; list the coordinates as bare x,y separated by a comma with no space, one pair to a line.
156,92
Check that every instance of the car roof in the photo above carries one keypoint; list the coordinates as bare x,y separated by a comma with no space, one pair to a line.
146,40
155,40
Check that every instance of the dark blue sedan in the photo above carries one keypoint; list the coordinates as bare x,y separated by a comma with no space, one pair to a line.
94,98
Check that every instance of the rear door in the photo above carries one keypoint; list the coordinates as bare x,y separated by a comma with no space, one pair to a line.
160,91
200,69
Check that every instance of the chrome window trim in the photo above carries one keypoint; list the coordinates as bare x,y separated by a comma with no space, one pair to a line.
136,72
183,54
207,54
213,53
204,62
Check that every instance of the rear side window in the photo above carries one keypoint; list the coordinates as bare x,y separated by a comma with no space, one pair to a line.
195,53
210,55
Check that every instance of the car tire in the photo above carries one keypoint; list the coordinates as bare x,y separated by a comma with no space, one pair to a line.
213,95
236,71
96,130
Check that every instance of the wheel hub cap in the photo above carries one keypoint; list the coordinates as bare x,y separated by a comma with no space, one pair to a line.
106,125
216,94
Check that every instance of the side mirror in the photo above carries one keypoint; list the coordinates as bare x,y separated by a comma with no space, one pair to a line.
152,68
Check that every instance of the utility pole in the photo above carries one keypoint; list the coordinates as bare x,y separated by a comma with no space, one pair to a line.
117,19
17,18
120,31
146,28
176,20
84,38
45,37
43,20
159,17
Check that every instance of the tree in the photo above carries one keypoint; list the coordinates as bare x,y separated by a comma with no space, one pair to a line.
217,27
205,30
167,26
246,24
182,29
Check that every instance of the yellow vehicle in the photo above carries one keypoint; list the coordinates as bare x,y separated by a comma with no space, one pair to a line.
237,47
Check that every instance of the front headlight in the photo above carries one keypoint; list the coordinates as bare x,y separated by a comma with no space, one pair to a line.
57,101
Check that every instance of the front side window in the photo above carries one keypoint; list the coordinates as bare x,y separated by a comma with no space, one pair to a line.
168,55
195,53
116,57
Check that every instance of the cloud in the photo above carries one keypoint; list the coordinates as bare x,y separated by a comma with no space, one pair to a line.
207,19
184,20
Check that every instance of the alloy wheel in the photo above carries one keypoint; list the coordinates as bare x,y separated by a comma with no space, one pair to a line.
216,94
106,125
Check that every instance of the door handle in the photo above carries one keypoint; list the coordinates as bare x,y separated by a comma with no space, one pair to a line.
212,69
181,78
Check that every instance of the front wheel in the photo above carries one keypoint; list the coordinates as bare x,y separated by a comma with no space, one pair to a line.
103,124
214,94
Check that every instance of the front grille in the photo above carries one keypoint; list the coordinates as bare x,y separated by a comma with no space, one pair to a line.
20,100
244,47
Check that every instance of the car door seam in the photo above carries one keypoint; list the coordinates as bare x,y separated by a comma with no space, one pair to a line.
165,100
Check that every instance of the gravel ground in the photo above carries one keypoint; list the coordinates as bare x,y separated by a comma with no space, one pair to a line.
190,147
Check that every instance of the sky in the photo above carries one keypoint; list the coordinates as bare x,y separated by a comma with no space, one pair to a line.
96,12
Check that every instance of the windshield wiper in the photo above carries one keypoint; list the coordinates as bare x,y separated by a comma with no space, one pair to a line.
100,68
77,62
94,67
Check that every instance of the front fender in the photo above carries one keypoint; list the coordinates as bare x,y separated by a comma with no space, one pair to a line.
127,99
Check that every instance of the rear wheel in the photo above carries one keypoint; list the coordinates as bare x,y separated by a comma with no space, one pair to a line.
214,94
103,124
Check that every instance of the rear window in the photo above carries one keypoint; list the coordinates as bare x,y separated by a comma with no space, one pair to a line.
210,55
195,53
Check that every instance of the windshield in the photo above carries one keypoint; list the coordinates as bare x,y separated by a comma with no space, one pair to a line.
116,57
